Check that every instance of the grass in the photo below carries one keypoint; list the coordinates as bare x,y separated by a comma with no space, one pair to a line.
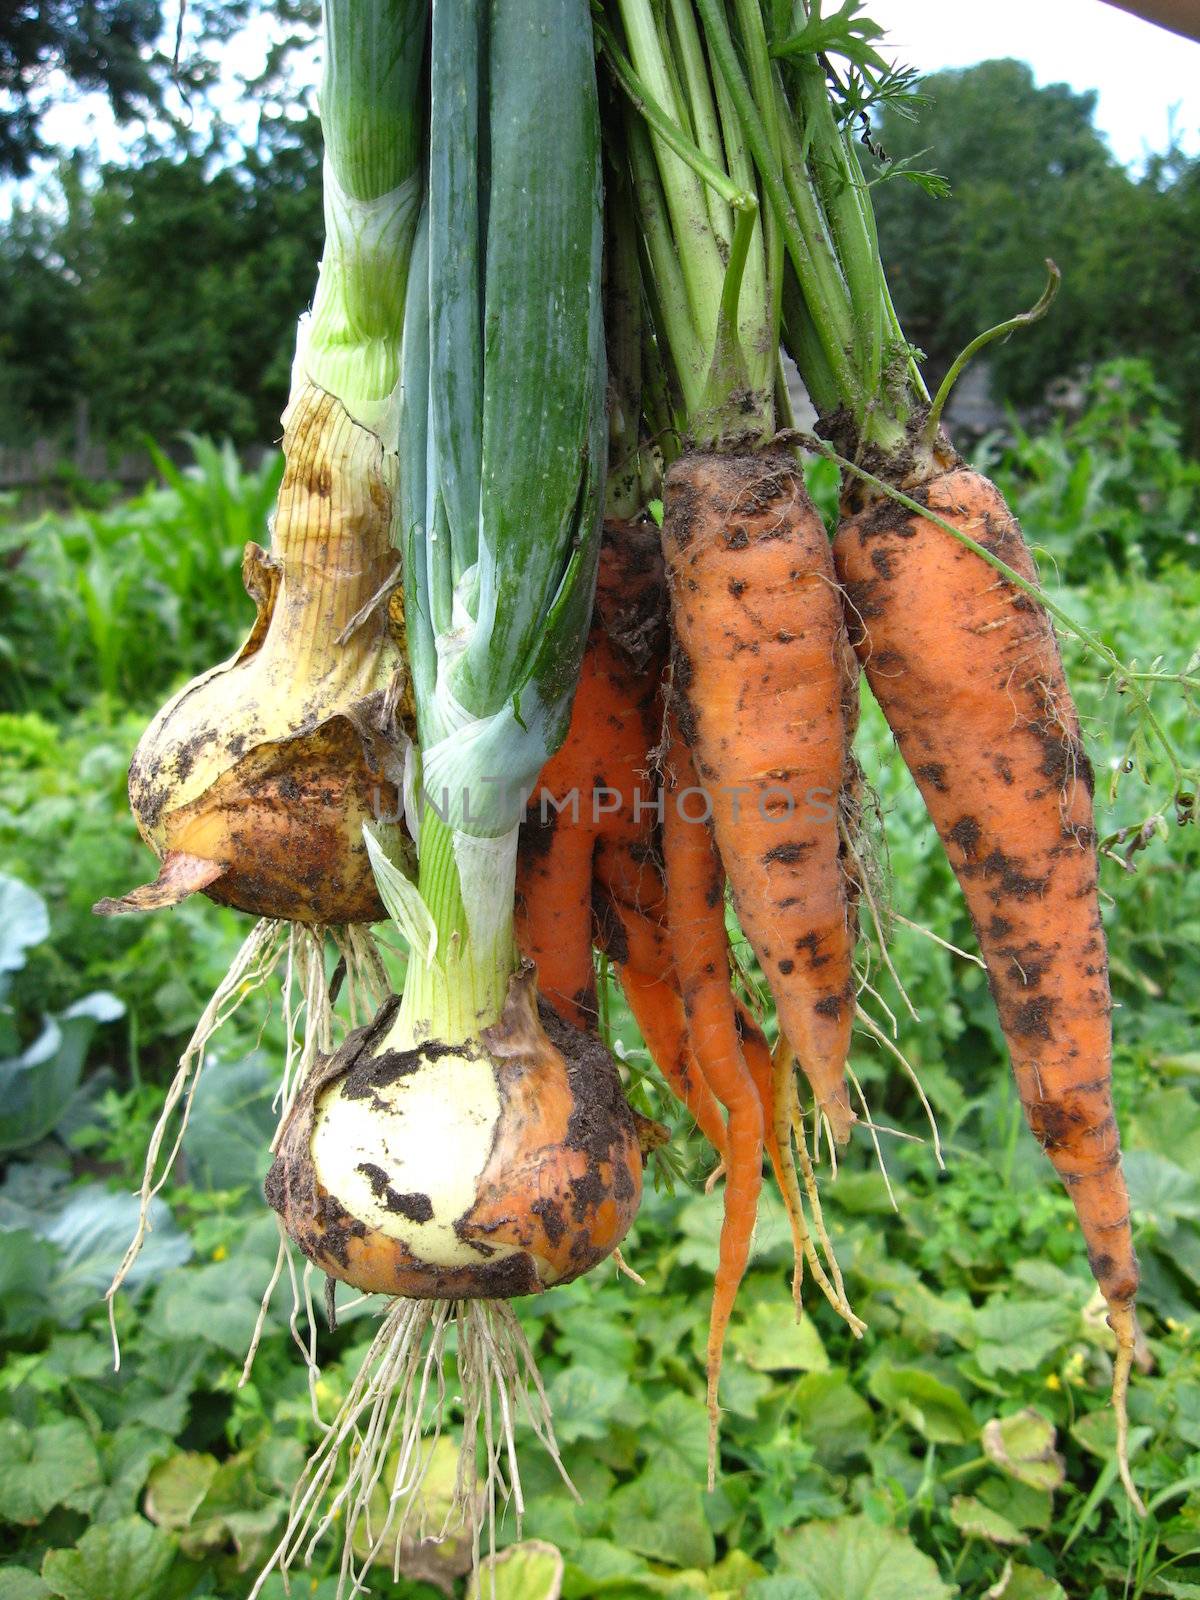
962,1447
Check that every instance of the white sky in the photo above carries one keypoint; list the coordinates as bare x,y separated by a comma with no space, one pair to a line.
1148,80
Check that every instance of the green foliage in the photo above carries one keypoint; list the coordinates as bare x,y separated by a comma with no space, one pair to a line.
1115,469
128,601
98,46
963,1447
165,295
1031,177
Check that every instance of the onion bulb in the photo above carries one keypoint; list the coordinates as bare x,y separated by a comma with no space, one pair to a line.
490,1168
253,783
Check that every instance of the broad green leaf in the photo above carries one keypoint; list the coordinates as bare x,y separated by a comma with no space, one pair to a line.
314,1589
112,1561
27,1266
1048,1281
1167,1121
177,1489
1023,1505
779,1587
1018,1335
24,922
831,1416
18,1583
661,1515
1096,1431
50,1466
854,1559
231,1125
947,1316
531,1570
977,1521
1023,1446
938,1412
92,1232
434,1547
1161,1191
127,1458
676,1432
594,1562
217,1303
583,1402
731,1576
1184,1251
864,1194
37,1086
769,1339
1030,1583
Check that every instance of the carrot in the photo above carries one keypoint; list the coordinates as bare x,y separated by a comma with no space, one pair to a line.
639,948
760,682
591,789
699,943
966,669
554,885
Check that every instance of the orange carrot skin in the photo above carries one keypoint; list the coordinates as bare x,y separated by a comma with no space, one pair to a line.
759,682
586,792
699,944
553,912
967,671
638,945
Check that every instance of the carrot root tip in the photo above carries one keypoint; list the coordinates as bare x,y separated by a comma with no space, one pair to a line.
1122,1321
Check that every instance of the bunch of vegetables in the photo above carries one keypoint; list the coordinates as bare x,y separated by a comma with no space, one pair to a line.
592,726
753,218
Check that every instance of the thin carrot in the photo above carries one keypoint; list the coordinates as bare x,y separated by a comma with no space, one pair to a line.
589,790
639,948
760,684
553,908
699,943
967,670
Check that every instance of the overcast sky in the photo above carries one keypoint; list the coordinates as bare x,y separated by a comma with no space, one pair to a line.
1148,79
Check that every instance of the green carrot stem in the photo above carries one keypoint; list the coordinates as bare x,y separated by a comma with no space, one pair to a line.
1022,319
793,203
666,284
700,261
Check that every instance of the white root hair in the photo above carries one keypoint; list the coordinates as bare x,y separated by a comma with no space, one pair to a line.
308,999
381,1441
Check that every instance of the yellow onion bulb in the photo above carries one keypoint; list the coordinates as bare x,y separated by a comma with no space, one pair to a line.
253,783
486,1169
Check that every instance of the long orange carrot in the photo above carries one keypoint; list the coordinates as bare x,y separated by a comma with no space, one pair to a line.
699,943
589,790
639,948
967,671
759,681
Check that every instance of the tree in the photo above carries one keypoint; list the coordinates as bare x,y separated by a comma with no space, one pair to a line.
1028,171
115,46
165,294
99,44
1031,177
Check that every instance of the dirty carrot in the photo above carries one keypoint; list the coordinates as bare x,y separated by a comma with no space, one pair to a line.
760,679
967,670
699,943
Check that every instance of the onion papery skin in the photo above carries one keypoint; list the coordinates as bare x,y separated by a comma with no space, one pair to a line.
558,1186
254,781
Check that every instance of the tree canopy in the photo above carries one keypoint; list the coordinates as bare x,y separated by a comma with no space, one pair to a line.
1031,177
165,292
